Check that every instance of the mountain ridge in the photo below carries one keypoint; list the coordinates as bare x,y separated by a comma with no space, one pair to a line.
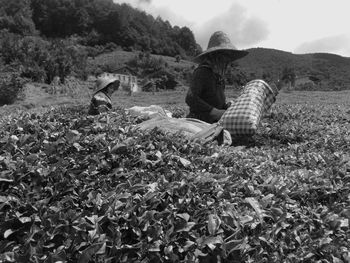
331,69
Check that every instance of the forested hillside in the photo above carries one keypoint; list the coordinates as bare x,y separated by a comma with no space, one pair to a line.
43,39
97,22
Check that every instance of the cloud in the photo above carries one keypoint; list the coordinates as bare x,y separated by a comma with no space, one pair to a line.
167,14
135,3
339,44
243,30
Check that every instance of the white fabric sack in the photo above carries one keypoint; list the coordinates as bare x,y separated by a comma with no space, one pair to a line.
151,111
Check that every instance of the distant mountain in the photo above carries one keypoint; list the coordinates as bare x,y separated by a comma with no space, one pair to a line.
333,71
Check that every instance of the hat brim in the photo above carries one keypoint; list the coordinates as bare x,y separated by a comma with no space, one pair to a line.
109,84
229,53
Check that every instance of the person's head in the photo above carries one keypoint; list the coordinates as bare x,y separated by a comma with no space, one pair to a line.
220,52
107,85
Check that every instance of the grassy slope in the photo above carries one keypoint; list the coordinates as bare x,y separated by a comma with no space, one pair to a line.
118,58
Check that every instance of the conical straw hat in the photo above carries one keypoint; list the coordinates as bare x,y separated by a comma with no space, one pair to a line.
103,82
219,42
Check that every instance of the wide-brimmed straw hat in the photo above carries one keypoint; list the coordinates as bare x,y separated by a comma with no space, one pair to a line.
103,82
220,43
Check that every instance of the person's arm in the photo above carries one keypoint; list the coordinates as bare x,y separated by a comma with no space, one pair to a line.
104,104
103,108
216,114
99,103
202,80
93,107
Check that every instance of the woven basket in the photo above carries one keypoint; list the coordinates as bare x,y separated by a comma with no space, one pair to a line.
244,115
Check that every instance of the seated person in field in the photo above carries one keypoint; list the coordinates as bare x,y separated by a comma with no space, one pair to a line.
206,95
101,100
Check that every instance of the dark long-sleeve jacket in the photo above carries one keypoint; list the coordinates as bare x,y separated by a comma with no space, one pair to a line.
207,90
100,102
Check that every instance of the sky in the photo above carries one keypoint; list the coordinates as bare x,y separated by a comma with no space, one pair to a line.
297,26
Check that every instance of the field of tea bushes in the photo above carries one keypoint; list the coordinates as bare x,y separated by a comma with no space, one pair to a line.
76,188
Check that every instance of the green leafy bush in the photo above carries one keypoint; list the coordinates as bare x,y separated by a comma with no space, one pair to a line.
147,64
34,72
43,60
16,16
163,80
76,188
11,88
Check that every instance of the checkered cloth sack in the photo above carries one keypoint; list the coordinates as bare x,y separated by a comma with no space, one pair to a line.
242,118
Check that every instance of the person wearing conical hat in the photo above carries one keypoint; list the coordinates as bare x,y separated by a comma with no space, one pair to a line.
206,96
101,100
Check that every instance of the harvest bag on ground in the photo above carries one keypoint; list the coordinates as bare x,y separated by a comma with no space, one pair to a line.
190,128
244,115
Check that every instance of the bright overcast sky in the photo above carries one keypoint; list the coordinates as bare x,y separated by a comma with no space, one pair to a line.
298,26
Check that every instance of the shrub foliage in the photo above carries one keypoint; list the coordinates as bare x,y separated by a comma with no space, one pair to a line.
89,189
11,88
42,60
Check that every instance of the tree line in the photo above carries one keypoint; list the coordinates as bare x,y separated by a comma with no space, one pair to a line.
97,22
